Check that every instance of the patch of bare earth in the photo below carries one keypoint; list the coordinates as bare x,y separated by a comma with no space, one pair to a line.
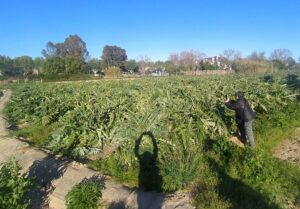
290,149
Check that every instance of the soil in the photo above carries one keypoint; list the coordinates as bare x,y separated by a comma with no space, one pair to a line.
289,149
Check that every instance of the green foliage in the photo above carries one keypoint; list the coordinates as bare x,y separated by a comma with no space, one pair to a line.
54,65
131,66
113,56
24,64
73,46
206,66
15,67
13,186
184,115
205,191
95,65
85,195
37,133
246,178
113,72
250,66
113,166
74,65
272,128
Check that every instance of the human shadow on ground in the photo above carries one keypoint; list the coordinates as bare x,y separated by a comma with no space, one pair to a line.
240,195
149,175
117,205
44,172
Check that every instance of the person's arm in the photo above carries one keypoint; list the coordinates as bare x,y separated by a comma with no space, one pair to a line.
233,105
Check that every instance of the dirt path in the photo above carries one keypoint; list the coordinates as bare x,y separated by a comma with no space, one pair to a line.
290,149
55,176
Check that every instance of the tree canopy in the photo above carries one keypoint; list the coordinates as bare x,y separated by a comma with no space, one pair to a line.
72,46
114,56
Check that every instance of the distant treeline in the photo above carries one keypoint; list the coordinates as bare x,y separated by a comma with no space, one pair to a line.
72,57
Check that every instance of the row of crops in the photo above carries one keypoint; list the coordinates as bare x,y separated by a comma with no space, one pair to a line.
105,120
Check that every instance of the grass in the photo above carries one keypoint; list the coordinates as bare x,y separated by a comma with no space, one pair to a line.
251,178
85,195
191,148
36,133
276,127
114,168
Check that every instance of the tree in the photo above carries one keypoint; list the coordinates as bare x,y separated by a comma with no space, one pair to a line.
24,64
282,59
51,50
174,57
53,65
6,65
114,56
75,46
72,46
188,59
67,57
73,64
95,65
132,66
171,68
282,55
257,56
38,63
145,64
231,54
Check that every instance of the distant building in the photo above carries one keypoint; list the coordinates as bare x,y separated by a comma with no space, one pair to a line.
215,60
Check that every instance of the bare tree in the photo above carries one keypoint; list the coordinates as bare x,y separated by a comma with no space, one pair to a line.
174,57
144,63
187,59
283,55
231,54
257,56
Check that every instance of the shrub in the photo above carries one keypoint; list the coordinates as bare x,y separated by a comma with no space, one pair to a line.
13,186
85,195
113,72
244,66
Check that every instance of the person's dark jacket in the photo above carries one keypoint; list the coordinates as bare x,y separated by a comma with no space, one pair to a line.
243,111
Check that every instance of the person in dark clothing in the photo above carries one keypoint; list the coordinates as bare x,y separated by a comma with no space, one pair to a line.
244,116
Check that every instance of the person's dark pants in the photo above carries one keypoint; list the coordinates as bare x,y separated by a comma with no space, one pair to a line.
249,132
246,132
242,132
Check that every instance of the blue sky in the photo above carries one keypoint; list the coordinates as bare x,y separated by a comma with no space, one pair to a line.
151,27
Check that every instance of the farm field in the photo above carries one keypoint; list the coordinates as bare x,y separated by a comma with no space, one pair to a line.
168,134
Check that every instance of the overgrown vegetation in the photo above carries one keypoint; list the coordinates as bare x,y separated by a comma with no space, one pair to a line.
113,72
13,186
250,66
185,118
85,195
